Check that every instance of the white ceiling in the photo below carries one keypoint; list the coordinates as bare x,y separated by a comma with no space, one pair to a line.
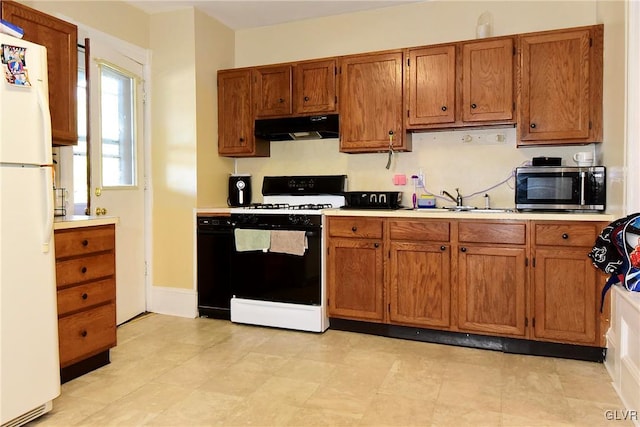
243,14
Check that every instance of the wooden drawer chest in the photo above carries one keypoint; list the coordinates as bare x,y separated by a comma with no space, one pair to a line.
86,289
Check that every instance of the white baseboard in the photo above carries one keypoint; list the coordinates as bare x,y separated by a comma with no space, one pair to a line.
174,301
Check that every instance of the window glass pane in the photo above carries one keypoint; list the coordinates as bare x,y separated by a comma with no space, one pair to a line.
117,128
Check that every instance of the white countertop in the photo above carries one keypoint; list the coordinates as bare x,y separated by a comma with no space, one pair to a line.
444,213
75,221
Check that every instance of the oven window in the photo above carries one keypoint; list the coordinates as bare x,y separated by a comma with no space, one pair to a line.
268,276
559,188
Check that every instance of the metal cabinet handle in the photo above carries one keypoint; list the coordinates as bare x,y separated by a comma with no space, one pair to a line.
281,100
444,108
533,125
565,236
306,98
85,296
474,106
83,269
376,245
463,249
85,242
354,228
83,333
443,248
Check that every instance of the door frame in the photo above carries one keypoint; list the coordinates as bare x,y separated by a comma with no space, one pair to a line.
143,56
632,149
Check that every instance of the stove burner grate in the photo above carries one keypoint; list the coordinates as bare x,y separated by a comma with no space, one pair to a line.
286,206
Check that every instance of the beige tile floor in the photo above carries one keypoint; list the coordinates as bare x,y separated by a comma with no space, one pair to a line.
170,371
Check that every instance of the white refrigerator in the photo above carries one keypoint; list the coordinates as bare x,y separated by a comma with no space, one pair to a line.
29,361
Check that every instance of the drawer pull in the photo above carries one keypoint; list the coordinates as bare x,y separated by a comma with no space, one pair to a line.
354,228
443,248
83,333
463,249
85,242
85,296
376,245
83,270
565,236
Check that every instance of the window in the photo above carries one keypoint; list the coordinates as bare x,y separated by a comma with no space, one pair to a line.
117,127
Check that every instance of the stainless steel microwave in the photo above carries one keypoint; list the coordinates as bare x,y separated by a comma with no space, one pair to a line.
561,188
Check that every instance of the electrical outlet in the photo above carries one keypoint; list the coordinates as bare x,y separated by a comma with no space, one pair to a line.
421,179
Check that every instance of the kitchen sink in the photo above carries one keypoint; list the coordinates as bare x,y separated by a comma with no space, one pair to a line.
470,209
480,210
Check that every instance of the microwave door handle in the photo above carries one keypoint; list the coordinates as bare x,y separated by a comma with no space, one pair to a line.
582,184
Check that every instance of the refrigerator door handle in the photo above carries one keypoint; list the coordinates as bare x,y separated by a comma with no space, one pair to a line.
46,168
47,171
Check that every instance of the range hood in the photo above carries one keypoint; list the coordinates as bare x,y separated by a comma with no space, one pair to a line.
298,128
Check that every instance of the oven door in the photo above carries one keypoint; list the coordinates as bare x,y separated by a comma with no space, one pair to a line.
279,277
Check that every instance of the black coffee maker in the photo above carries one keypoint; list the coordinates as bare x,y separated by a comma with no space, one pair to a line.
239,190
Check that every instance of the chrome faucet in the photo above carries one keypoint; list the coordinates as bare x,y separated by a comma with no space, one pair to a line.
457,199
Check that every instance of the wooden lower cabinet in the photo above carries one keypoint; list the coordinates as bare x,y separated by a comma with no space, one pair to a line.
85,276
419,273
355,277
492,277
515,279
420,286
566,291
491,290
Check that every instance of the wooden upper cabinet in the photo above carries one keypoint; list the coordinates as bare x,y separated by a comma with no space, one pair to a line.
235,116
371,103
315,87
487,80
460,85
61,40
431,85
272,91
560,83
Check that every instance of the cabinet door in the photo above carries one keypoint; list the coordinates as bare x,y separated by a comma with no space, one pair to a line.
235,119
432,85
371,103
565,306
61,40
561,87
487,76
355,279
272,91
420,284
315,87
491,292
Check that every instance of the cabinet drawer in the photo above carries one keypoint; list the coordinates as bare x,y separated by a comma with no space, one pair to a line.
92,267
566,234
80,241
369,228
84,296
425,230
87,333
487,232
